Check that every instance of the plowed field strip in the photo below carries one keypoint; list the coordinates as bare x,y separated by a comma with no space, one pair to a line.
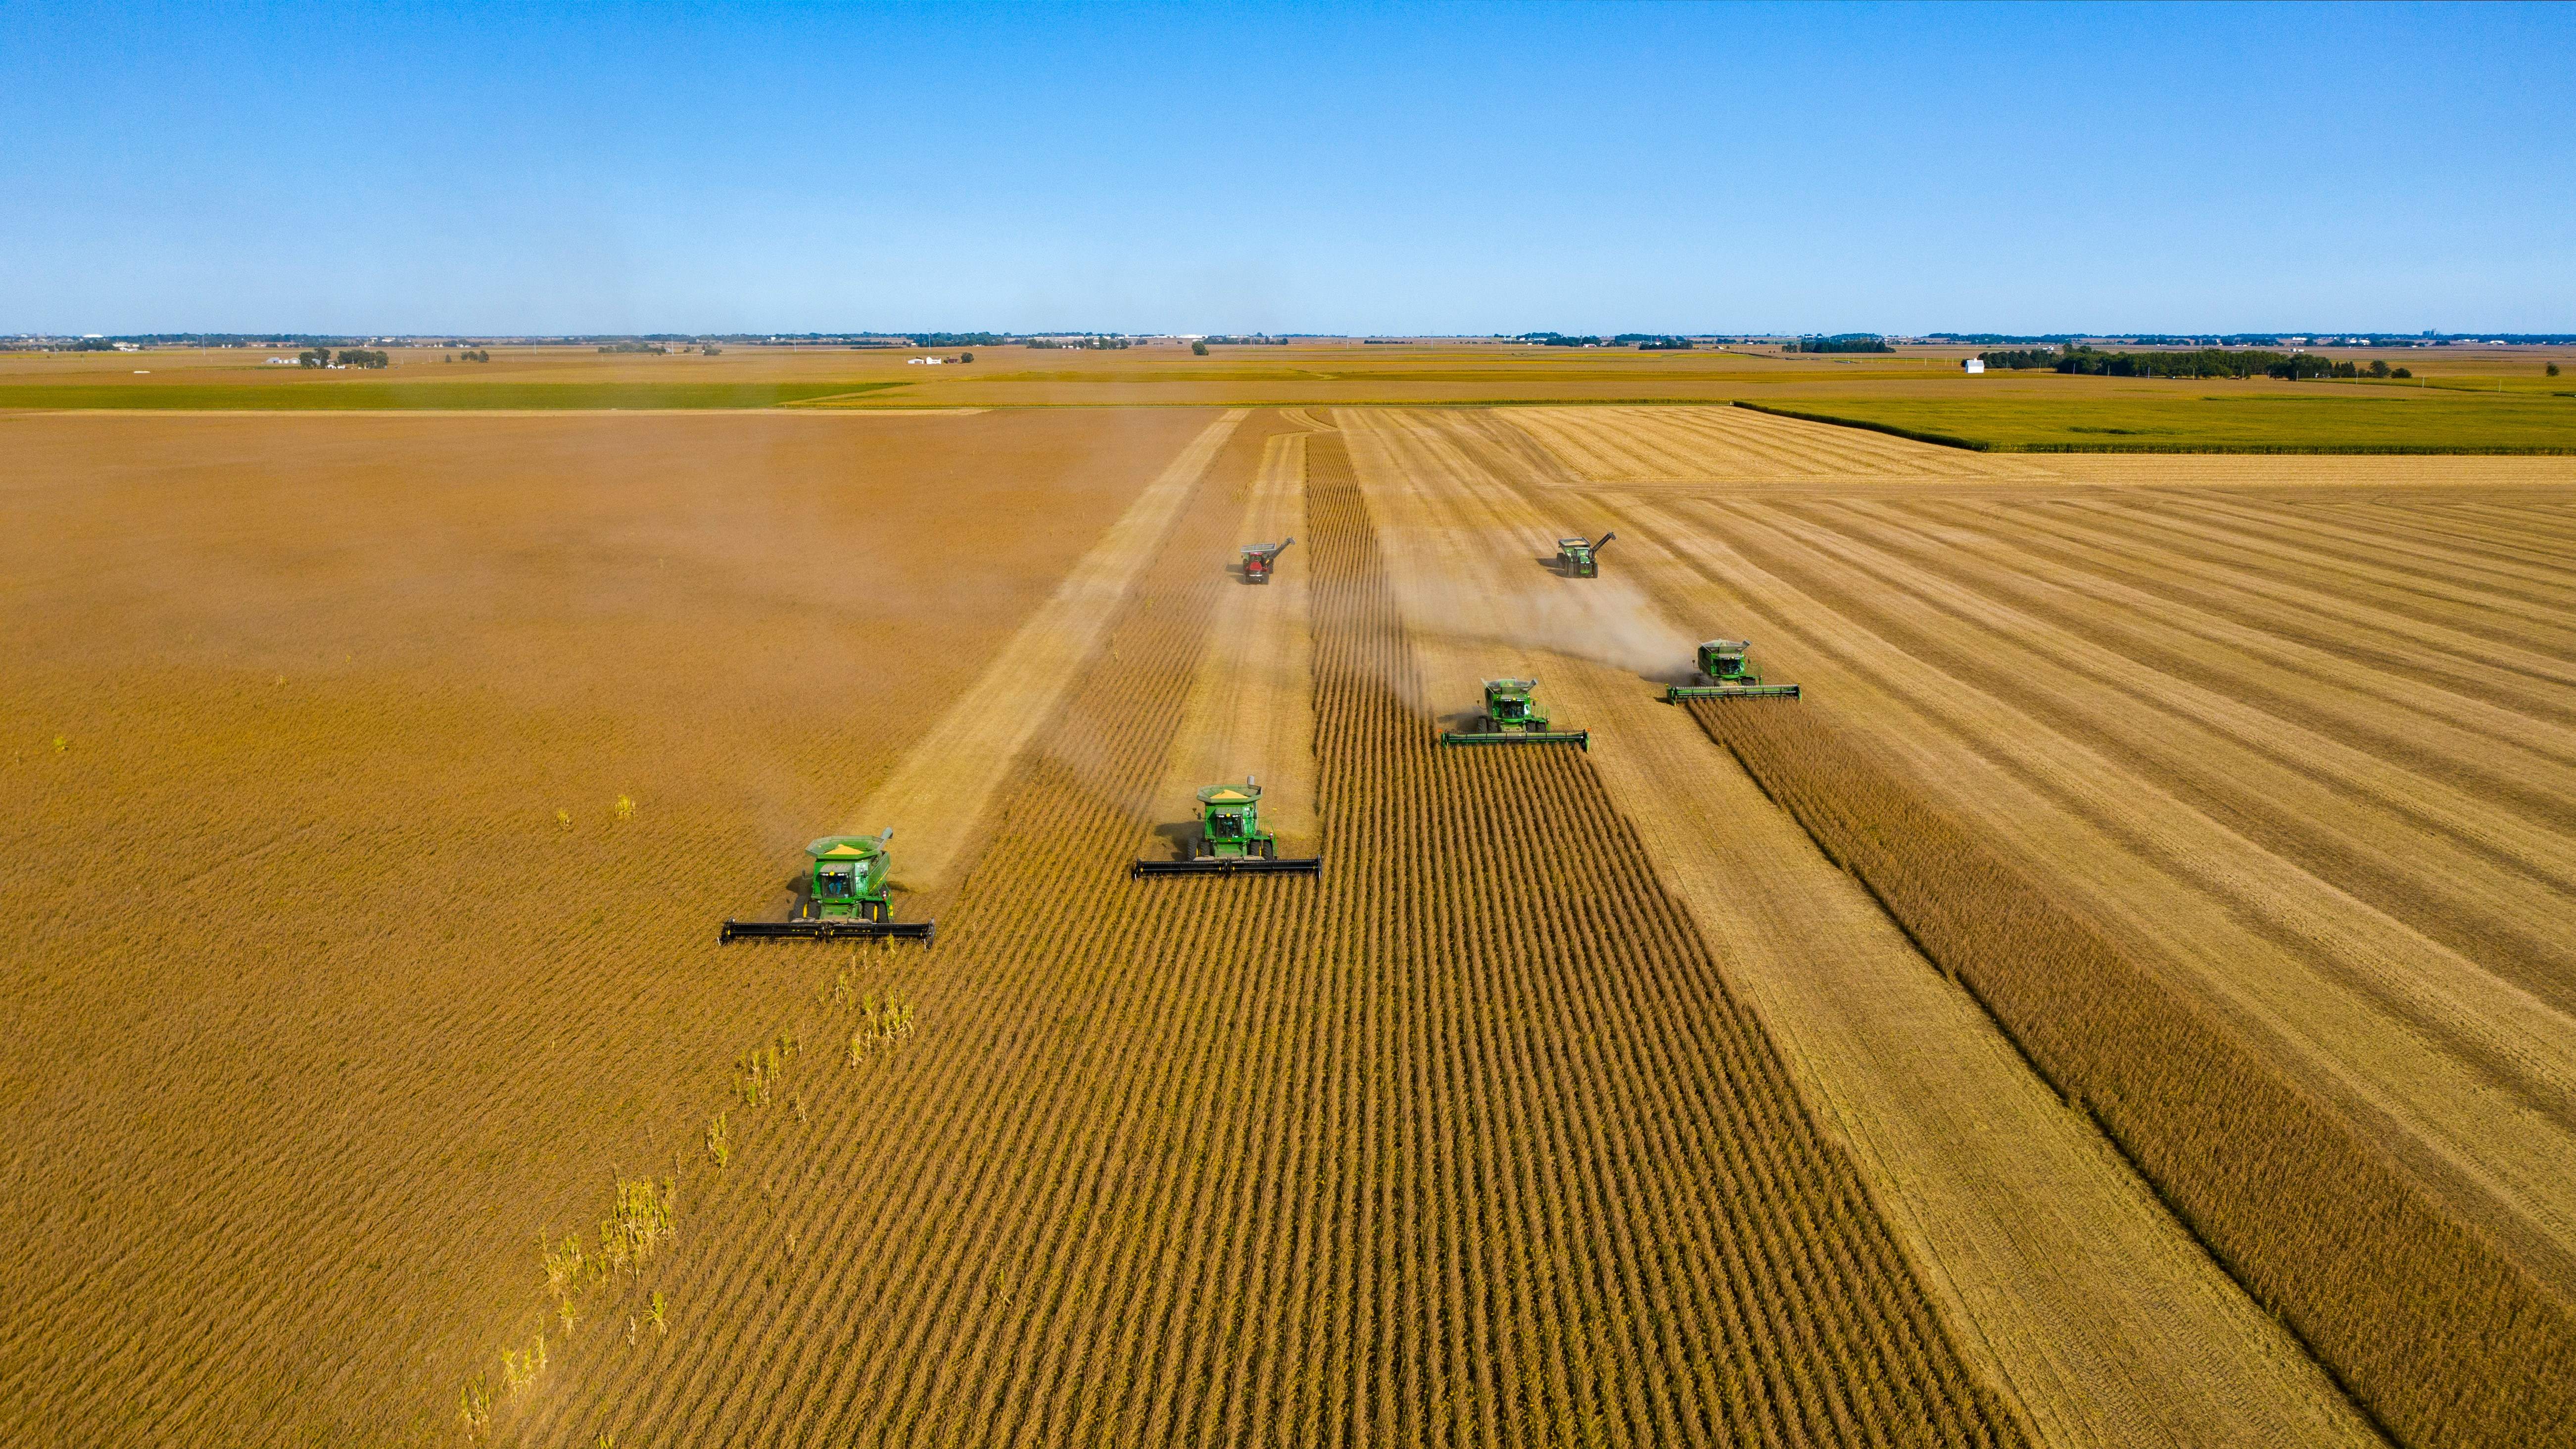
2415,528
2489,668
1529,1173
1615,445
1250,711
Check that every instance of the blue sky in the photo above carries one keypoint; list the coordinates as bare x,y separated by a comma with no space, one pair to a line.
1450,168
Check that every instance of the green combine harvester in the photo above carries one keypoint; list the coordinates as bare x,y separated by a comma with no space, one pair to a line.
1231,840
846,898
1578,558
1726,673
1512,717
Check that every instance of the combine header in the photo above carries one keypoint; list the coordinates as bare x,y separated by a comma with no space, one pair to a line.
1725,673
1231,840
847,899
1259,559
1512,717
1578,558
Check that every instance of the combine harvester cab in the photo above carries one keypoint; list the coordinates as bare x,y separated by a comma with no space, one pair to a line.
1261,558
1726,671
1231,840
1579,558
1512,717
845,899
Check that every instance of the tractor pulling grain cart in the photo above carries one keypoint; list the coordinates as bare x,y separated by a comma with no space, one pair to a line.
1579,558
1726,671
845,897
1261,558
1231,840
1512,717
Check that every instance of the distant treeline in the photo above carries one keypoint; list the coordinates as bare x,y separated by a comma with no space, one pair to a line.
1257,339
2201,362
1097,344
349,357
1842,342
1643,341
652,347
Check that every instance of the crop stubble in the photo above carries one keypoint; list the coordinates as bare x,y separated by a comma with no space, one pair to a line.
2303,754
318,1014
1465,1142
2101,1314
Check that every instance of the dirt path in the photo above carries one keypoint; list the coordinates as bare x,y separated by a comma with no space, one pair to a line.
935,799
1250,712
2056,1265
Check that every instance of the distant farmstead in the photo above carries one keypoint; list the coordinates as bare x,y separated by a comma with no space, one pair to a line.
1974,364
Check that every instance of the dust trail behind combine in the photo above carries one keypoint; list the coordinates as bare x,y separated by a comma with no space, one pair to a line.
935,798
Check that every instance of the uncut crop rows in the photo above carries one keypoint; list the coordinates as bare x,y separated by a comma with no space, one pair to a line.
1465,1143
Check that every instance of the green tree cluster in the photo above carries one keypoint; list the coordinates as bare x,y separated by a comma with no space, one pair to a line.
2199,362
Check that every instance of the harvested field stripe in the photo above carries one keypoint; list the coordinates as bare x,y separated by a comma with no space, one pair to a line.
2497,662
2512,976
2159,601
1250,710
2442,1335
2333,987
2104,1341
935,799
2399,588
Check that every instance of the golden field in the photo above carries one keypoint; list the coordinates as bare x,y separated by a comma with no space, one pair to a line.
380,780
